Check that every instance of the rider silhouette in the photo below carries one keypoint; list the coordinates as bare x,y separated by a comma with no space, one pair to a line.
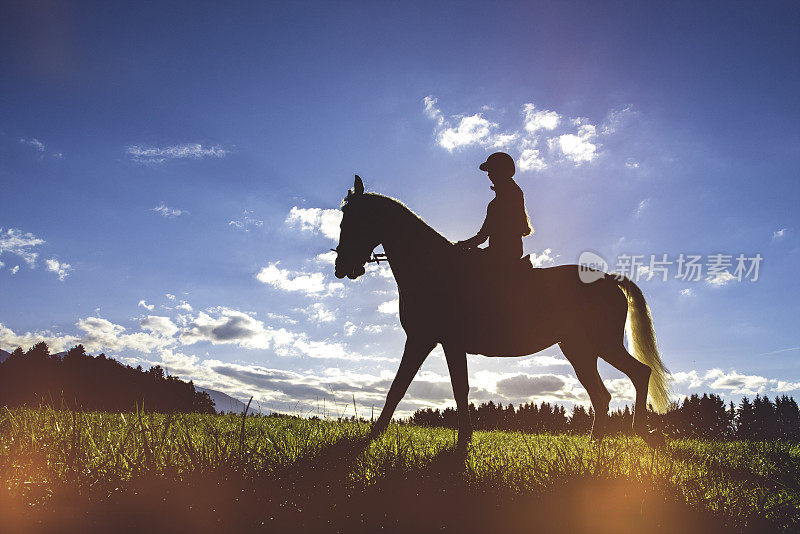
506,220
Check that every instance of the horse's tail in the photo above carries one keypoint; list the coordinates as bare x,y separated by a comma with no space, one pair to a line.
642,342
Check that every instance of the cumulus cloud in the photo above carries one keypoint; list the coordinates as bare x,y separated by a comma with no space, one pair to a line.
390,306
470,130
543,361
579,147
735,382
143,304
151,154
61,269
544,258
536,120
170,213
297,281
231,326
529,385
162,326
572,141
319,313
316,220
56,341
103,335
15,241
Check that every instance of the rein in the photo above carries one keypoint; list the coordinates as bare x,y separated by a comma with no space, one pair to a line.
374,258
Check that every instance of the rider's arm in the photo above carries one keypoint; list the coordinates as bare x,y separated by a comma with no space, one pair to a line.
477,239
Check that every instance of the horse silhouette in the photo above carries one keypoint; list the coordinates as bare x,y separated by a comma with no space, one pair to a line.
448,297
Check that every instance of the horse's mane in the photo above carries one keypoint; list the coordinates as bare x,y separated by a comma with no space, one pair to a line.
388,207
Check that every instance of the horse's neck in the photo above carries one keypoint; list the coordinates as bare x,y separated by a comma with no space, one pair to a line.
414,249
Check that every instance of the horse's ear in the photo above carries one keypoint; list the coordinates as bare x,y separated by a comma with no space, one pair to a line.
358,186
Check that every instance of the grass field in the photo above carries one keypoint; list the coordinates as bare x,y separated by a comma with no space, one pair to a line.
91,472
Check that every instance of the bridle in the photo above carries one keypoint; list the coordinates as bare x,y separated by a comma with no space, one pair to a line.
374,258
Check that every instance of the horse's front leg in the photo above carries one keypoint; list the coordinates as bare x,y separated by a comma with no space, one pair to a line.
414,354
457,365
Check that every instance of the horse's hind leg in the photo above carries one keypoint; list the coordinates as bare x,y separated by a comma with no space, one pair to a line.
639,374
585,365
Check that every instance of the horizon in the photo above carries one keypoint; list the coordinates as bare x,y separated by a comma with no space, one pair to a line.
172,183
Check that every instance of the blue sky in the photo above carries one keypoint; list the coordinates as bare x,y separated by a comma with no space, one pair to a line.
170,178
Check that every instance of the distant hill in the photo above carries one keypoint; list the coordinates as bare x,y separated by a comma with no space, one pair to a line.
224,402
4,355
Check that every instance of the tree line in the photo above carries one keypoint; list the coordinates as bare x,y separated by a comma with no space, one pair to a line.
80,381
706,416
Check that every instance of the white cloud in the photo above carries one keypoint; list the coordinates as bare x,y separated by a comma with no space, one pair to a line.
779,234
234,327
691,378
616,119
61,269
319,313
162,326
327,258
101,334
170,213
578,148
735,382
643,205
143,304
15,241
296,281
35,143
56,341
316,220
390,306
183,305
720,279
785,387
530,159
543,361
544,258
470,130
536,120
429,103
349,328
687,292
15,269
575,140
631,163
246,222
144,154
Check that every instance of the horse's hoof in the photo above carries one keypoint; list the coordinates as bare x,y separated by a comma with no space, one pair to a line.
377,429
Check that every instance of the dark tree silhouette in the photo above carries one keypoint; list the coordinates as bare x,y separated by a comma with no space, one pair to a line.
78,380
705,417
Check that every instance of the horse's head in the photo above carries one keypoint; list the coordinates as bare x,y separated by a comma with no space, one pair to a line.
359,233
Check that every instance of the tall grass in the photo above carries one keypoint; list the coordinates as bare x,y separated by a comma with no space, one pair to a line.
738,485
